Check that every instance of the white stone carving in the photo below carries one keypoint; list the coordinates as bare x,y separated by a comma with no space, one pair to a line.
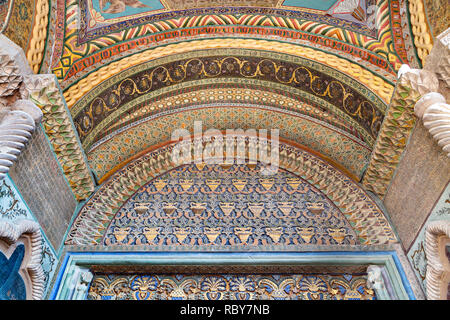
11,233
17,123
437,120
420,80
437,237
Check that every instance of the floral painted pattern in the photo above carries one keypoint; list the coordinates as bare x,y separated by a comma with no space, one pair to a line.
230,287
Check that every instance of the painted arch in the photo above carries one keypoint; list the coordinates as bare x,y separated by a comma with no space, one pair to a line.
128,192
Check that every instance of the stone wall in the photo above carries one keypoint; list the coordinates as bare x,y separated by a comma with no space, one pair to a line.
44,188
420,178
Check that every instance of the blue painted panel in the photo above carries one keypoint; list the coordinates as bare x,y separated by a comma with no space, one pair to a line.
12,286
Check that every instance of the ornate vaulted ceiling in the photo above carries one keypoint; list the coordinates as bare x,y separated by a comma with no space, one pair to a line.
325,69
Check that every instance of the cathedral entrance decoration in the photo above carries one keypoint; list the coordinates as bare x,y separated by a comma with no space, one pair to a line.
12,286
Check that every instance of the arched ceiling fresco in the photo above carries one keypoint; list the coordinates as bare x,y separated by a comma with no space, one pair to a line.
114,60
350,103
338,147
89,31
337,56
25,22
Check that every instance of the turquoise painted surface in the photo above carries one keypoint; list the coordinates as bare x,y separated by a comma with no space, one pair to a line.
416,253
310,4
12,208
125,8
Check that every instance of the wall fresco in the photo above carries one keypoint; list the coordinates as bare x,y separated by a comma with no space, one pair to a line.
213,205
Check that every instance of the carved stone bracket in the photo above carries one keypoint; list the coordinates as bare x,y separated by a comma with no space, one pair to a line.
17,122
437,237
415,93
432,108
76,285
18,117
28,233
